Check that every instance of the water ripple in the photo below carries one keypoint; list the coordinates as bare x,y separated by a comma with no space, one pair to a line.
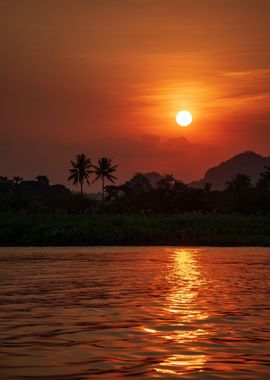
140,313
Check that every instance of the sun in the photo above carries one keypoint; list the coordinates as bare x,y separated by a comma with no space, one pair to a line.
183,118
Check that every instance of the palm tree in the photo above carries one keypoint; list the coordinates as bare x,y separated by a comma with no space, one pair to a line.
80,171
103,171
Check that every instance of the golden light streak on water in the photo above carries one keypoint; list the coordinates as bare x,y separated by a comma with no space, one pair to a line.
187,281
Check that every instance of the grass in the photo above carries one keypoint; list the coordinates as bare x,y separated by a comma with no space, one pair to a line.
181,229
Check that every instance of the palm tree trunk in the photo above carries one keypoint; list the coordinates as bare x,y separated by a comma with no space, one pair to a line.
81,187
102,196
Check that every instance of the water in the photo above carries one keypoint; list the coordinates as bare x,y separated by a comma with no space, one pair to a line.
139,313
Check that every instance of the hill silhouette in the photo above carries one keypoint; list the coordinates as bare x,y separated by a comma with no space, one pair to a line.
248,162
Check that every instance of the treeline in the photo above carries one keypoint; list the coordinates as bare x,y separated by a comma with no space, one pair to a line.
37,195
140,194
169,195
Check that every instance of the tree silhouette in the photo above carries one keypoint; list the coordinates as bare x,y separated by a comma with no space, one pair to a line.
42,180
138,184
166,183
207,186
263,183
239,183
3,179
16,180
103,171
80,171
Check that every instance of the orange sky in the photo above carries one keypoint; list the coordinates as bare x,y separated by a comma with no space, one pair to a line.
107,77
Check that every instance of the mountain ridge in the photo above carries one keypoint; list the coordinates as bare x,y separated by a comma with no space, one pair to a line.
248,162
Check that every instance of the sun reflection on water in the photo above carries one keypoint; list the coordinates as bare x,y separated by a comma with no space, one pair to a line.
182,306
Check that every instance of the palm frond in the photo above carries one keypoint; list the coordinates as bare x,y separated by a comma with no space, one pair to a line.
111,178
80,170
98,176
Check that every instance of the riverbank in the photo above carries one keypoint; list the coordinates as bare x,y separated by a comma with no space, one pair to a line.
181,229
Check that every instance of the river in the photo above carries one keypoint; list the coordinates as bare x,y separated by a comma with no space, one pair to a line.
134,312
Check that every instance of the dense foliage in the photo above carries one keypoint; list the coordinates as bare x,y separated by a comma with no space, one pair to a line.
139,195
169,195
133,229
39,196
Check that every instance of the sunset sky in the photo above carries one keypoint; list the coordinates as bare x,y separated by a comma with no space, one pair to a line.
107,77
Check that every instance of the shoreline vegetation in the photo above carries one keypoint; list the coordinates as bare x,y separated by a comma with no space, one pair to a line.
187,229
148,209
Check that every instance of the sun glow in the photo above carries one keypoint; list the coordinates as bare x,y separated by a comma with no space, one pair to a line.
183,118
